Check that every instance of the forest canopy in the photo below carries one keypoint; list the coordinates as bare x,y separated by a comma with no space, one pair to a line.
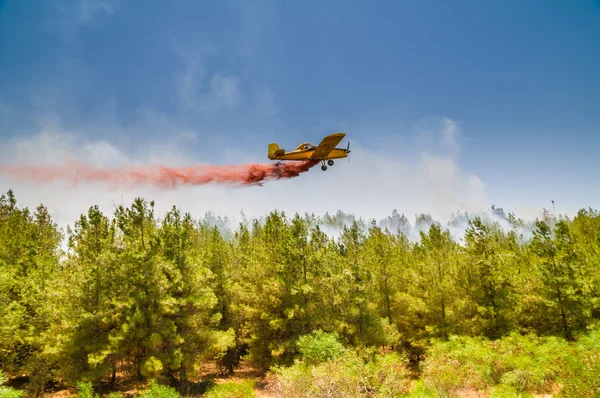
146,297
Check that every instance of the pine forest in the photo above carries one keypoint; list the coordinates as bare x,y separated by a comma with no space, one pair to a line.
132,304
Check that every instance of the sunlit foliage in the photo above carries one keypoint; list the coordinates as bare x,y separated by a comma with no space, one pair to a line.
148,297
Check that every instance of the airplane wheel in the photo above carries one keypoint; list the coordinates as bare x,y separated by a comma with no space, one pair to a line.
323,167
330,162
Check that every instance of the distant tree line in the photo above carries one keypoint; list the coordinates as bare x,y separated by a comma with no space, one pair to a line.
148,297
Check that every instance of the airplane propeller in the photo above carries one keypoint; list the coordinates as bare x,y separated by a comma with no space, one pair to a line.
348,151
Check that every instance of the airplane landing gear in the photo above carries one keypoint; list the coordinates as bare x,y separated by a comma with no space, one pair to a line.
330,162
323,167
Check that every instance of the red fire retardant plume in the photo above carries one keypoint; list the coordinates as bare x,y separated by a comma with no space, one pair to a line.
161,176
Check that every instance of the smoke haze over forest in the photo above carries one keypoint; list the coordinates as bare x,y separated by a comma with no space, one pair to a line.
367,186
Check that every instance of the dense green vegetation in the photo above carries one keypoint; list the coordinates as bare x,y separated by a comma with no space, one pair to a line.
512,306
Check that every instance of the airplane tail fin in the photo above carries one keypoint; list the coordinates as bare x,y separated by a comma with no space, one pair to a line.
273,147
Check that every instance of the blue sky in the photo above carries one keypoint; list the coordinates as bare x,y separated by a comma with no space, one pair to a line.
513,85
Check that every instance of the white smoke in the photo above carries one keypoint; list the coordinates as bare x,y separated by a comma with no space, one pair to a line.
368,187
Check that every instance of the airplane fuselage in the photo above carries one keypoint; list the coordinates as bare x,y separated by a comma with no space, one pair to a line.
305,154
325,152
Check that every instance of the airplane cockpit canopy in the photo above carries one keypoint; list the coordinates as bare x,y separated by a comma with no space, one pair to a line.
304,146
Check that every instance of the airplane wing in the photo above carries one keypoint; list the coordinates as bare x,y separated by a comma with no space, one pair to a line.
327,145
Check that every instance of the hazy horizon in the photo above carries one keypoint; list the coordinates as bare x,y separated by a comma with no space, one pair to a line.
448,108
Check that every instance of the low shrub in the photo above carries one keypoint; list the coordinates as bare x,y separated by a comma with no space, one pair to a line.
8,392
159,391
524,364
341,372
581,374
244,389
319,347
85,390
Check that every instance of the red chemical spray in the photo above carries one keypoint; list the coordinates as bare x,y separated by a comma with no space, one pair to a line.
161,176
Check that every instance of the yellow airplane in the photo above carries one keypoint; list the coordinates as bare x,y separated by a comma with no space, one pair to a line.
325,151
